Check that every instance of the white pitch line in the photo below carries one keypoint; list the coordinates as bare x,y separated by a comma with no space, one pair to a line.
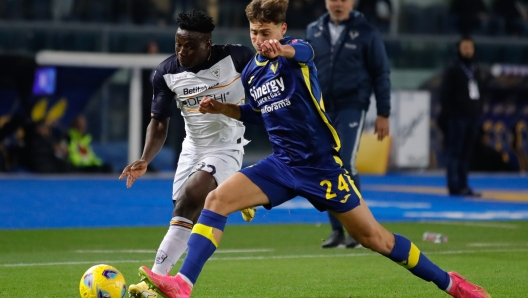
495,244
366,254
149,251
121,251
475,224
230,251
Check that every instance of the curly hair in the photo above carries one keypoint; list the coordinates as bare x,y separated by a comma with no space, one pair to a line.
267,11
196,20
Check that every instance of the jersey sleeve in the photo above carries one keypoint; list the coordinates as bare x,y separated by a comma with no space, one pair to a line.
303,50
249,113
162,96
241,56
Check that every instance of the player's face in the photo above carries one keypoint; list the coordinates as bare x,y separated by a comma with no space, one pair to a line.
193,48
339,10
467,49
260,32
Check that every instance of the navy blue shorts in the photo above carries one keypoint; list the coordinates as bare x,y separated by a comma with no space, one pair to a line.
327,188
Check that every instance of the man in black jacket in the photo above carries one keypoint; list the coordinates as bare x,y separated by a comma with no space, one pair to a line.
351,63
461,110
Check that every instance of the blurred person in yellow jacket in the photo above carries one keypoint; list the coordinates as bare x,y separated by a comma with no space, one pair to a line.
80,151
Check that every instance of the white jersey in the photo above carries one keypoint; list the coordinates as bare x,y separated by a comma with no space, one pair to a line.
218,78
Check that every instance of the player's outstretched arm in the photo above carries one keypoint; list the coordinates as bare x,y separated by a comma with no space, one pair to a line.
211,106
156,135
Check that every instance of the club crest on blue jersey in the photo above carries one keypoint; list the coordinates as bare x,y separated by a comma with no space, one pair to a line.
274,65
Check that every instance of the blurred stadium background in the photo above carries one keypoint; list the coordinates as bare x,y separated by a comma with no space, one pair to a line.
63,58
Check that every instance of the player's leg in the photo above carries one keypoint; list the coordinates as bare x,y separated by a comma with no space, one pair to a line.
455,147
360,223
235,193
349,125
187,207
331,188
470,137
209,170
267,183
174,242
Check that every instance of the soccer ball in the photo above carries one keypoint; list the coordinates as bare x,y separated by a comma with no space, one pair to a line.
102,281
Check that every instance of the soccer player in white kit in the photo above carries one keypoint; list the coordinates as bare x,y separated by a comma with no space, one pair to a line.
213,147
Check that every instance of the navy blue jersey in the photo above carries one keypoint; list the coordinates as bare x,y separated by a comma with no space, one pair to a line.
287,94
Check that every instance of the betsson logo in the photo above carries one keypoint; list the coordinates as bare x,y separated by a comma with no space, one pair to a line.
198,89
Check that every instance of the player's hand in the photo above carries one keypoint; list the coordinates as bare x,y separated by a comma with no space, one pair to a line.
211,106
134,171
381,127
271,48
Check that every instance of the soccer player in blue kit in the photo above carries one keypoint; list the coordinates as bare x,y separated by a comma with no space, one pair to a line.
283,93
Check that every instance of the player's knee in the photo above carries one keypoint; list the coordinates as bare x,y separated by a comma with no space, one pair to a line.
215,200
377,241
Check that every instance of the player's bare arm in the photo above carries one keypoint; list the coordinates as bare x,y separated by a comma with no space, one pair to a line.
211,106
156,135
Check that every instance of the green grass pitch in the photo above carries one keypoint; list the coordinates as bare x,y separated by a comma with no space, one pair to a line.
270,261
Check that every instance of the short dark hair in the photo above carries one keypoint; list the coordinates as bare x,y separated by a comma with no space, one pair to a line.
267,11
196,20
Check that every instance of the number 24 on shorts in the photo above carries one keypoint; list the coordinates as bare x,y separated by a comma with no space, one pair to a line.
342,185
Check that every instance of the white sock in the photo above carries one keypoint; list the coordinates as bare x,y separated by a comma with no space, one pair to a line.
187,280
173,246
450,285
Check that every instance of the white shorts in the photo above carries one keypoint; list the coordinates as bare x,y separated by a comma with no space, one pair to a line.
221,163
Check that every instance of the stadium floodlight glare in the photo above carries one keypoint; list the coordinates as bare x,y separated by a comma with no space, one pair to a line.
134,62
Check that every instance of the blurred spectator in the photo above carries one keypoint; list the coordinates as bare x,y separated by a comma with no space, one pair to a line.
3,159
377,12
348,77
486,158
80,152
43,154
62,9
460,115
513,14
147,12
470,16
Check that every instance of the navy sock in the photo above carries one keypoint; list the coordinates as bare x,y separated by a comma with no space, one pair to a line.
202,244
409,256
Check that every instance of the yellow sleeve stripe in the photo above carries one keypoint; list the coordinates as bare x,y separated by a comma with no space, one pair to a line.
306,74
205,231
